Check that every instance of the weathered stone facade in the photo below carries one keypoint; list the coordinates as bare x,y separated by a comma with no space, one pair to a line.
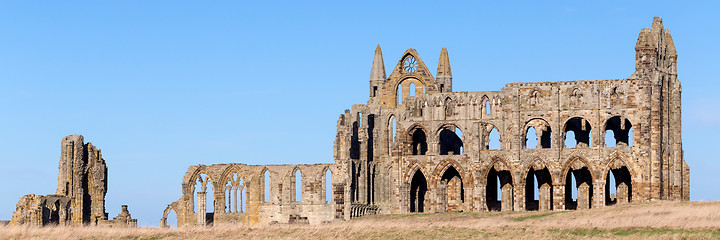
417,146
80,195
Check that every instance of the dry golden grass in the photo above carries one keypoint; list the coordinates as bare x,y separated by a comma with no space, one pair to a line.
658,220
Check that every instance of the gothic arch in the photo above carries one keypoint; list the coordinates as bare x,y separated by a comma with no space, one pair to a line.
413,167
444,165
576,160
543,132
500,164
163,220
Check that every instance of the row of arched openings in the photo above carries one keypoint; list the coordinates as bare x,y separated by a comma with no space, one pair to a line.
538,189
452,192
578,133
235,194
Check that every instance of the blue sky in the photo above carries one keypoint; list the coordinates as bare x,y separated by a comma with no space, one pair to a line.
163,85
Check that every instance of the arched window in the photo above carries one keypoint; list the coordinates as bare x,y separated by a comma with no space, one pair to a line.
618,132
298,186
419,142
530,138
450,142
266,184
328,186
412,89
581,133
488,108
399,94
493,140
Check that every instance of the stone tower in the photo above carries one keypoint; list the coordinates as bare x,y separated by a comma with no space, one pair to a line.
377,73
80,195
82,177
656,63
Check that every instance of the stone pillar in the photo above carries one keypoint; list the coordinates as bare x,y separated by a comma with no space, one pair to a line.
622,193
202,211
544,198
442,196
558,197
507,197
235,198
583,196
404,198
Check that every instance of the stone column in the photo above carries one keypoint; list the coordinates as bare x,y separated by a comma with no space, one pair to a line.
622,193
442,196
235,198
404,198
507,197
544,198
558,197
583,196
202,211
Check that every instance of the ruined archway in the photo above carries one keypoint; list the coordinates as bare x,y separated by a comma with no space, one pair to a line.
450,140
419,142
167,216
418,189
618,132
618,183
540,130
452,190
538,188
578,185
579,130
499,188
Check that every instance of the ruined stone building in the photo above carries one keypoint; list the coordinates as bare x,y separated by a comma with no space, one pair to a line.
417,146
80,195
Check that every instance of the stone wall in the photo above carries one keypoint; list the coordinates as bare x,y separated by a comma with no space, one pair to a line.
417,146
80,195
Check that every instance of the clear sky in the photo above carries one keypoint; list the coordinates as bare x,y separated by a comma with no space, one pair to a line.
163,85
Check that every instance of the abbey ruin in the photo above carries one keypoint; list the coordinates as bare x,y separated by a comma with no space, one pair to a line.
80,196
417,146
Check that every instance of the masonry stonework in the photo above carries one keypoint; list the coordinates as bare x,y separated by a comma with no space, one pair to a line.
80,195
417,146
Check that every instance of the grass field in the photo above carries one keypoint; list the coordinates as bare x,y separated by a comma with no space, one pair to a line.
657,220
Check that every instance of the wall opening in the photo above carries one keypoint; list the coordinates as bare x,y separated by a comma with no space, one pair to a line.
534,180
418,188
499,190
243,203
581,132
578,189
530,138
618,132
618,186
412,89
328,186
419,142
493,140
488,109
266,186
298,186
450,142
355,141
455,195
399,94
171,219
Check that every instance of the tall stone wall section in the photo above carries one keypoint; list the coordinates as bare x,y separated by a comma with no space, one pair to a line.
80,195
